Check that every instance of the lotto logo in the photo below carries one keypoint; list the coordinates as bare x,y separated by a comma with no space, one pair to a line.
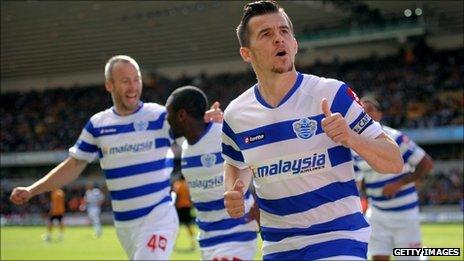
157,241
254,138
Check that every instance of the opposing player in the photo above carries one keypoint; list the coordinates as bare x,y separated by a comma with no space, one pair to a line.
393,201
93,200
221,237
57,211
293,132
132,141
184,207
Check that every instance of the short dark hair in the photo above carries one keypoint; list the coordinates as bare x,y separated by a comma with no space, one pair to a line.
191,99
372,100
254,9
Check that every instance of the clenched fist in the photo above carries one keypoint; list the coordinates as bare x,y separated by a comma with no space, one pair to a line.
20,195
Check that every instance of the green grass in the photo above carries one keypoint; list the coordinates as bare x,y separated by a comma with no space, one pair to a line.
25,243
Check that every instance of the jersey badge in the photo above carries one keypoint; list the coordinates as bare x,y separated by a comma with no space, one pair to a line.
140,125
305,128
208,160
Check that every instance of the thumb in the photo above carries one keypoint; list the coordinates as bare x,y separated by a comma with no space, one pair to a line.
238,186
325,107
215,105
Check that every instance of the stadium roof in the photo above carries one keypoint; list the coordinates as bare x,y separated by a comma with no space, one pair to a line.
40,38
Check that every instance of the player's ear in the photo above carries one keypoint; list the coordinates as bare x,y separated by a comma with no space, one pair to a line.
296,45
181,114
109,86
246,54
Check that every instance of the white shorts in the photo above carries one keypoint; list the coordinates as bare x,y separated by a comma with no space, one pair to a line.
231,252
94,214
154,237
388,234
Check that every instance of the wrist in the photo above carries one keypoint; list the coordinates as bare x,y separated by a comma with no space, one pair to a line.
353,139
32,190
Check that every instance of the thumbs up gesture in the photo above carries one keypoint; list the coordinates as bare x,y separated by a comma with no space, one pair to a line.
335,126
214,114
233,200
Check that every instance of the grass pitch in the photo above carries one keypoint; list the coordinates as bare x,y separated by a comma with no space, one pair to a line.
25,243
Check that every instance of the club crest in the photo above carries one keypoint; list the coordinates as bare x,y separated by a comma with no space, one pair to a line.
305,128
140,125
208,160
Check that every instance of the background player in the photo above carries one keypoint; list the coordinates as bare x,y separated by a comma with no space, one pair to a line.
293,132
221,238
393,201
184,207
93,200
57,210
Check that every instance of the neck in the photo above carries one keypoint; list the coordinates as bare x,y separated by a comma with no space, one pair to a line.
274,86
196,131
124,111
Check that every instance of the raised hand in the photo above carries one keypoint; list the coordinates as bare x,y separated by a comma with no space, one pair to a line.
234,201
335,126
214,113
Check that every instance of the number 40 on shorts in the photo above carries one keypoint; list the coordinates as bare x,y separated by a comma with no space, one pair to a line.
157,241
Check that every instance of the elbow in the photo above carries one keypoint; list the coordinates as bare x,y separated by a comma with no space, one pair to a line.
427,163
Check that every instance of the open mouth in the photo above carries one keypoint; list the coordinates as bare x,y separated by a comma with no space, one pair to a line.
281,53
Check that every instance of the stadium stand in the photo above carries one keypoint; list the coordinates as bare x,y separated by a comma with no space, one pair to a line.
51,120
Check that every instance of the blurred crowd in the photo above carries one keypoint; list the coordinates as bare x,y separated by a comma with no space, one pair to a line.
419,88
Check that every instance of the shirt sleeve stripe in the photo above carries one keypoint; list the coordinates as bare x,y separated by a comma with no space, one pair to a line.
342,101
231,153
87,147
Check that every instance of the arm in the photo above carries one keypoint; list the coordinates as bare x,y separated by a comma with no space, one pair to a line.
63,174
235,182
424,167
382,153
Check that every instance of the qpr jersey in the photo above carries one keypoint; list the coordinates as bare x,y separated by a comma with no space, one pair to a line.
133,154
307,195
202,167
404,205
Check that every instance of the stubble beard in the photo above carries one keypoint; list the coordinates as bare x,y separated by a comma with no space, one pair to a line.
281,70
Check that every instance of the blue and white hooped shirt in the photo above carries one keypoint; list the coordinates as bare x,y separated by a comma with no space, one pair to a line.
203,169
309,203
133,153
